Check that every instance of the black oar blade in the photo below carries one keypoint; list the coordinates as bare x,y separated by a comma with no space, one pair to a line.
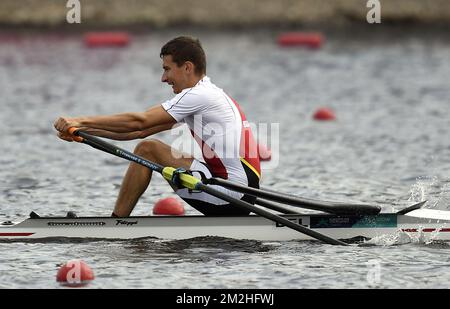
337,208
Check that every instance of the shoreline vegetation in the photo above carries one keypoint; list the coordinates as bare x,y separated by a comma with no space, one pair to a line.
219,14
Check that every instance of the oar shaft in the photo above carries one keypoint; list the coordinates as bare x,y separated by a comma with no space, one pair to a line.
276,207
117,151
334,208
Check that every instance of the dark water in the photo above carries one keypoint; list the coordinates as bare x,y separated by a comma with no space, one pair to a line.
389,146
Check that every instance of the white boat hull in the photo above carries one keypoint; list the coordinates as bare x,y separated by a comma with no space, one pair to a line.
429,223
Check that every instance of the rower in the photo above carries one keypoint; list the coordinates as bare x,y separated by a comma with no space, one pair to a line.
215,120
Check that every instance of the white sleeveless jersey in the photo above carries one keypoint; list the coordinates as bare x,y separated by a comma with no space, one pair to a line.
219,127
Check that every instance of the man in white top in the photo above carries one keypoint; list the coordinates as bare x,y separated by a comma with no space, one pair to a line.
215,120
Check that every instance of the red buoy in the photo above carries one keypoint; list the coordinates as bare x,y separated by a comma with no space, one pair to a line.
75,273
307,39
324,114
106,39
265,154
169,206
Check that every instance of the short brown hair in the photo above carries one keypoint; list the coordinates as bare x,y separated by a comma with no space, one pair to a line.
184,49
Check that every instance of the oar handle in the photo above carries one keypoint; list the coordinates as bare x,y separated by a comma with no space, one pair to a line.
74,132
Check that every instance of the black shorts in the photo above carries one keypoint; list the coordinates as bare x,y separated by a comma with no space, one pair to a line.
209,209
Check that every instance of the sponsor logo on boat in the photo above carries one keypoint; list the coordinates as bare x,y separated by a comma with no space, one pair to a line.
77,223
125,222
388,220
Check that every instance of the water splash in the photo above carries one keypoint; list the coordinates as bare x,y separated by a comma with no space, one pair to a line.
402,237
436,191
444,196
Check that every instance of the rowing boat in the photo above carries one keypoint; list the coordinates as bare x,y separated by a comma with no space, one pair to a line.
340,221
426,223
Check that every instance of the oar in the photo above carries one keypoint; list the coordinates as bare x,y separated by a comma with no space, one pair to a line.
336,208
276,207
193,183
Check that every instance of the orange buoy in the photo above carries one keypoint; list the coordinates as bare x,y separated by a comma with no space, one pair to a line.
307,39
168,206
324,114
75,273
265,154
106,39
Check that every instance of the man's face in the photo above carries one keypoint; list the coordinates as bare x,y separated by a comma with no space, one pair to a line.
174,75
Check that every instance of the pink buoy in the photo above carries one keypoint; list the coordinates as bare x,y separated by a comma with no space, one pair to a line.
265,154
307,39
106,39
324,114
75,273
169,206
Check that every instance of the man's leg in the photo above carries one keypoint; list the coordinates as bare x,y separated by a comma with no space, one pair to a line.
138,177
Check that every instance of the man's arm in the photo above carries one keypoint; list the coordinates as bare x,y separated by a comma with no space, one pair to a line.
129,122
121,126
130,135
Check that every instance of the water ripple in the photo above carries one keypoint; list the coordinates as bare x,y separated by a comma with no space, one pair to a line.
387,147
